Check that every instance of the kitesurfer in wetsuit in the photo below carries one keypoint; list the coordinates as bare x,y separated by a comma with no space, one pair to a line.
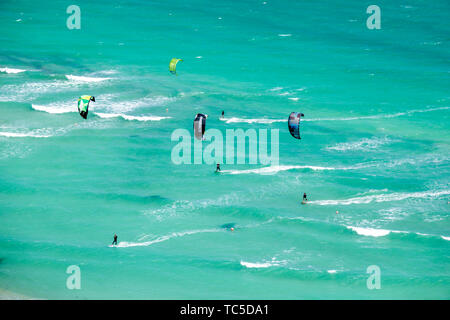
304,196
218,167
223,114
115,240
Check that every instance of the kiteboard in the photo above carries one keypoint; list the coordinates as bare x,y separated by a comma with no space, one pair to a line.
304,202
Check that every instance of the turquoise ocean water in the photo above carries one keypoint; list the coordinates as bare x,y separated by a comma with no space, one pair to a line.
375,148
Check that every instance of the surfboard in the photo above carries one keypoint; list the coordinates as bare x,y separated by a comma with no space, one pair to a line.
304,202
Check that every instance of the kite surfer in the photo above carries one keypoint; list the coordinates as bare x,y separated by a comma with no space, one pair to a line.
305,199
115,240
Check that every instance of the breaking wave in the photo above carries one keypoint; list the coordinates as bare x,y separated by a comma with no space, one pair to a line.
371,232
11,70
85,79
266,264
31,134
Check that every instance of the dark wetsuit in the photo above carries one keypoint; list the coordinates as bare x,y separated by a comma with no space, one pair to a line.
218,167
304,197
223,114
115,240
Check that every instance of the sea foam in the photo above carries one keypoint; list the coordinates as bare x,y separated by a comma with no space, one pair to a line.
23,135
395,196
130,117
85,79
379,116
125,244
11,70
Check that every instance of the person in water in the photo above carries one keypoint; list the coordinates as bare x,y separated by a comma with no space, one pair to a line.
218,167
223,113
115,240
304,196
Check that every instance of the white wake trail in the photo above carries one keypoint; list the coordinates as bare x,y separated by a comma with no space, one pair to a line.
396,196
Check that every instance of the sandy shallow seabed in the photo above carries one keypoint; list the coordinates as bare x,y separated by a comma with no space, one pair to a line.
8,295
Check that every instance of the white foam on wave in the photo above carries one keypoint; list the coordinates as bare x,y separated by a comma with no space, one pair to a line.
332,271
285,35
266,264
364,144
57,108
239,120
108,72
278,168
125,244
423,234
129,117
370,231
373,191
380,116
256,265
275,169
85,79
276,89
396,196
120,106
11,70
434,158
392,214
183,206
432,235
23,135
29,90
